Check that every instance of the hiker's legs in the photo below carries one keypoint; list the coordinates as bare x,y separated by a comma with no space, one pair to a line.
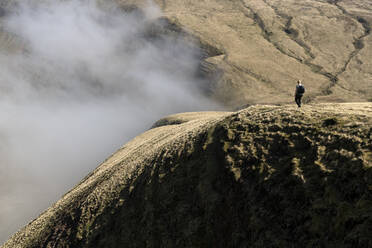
298,100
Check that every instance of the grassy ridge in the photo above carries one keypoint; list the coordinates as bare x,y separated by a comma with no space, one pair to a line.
266,176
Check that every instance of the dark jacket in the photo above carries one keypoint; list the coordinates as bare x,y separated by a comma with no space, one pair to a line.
298,90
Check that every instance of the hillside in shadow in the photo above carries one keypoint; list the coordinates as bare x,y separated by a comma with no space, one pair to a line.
265,176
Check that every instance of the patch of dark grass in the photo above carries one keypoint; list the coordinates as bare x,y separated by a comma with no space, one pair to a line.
291,32
330,122
358,44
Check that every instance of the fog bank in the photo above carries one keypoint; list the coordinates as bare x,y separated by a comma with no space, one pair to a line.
82,83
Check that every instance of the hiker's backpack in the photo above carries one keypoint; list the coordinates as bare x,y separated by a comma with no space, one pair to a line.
301,89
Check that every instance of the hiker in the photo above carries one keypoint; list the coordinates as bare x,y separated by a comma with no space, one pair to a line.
300,90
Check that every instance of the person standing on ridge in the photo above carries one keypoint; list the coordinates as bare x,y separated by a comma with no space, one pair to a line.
300,90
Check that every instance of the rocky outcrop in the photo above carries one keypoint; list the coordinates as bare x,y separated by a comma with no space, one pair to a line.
265,176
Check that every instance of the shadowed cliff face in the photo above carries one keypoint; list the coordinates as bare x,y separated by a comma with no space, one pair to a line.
262,177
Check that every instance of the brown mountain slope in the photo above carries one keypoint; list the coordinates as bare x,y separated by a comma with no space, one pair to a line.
257,49
266,45
266,176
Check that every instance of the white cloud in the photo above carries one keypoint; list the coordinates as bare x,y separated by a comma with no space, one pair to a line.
87,82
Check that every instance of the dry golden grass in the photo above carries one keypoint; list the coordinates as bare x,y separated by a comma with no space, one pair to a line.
264,46
169,148
267,45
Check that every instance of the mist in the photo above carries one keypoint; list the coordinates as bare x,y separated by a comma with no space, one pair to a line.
83,81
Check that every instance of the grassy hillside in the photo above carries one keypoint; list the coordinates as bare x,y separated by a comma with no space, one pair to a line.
270,175
266,176
255,51
266,45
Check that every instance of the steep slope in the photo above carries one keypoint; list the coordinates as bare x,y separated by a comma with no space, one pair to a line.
266,176
266,45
